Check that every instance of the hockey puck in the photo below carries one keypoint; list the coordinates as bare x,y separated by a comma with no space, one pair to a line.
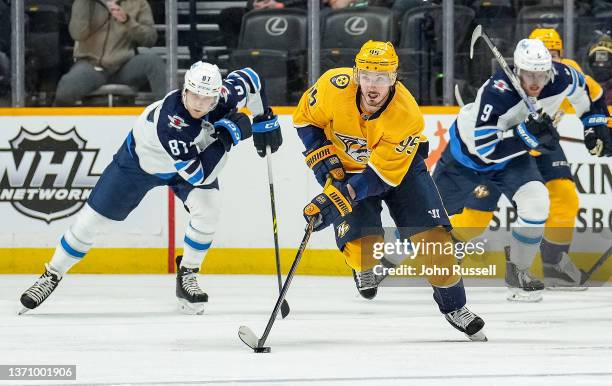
261,349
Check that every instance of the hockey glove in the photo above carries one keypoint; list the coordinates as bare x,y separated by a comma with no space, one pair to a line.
326,207
232,129
539,134
266,132
598,141
324,162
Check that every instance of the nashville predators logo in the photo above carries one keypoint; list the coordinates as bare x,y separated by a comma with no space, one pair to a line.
355,147
481,191
340,81
342,229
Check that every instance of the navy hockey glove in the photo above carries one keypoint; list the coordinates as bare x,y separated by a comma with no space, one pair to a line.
324,162
598,141
538,134
326,207
266,132
235,127
597,136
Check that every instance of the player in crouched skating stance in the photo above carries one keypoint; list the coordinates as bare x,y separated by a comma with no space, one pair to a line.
483,161
559,270
363,122
181,141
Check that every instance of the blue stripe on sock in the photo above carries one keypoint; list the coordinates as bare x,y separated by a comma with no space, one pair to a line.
71,251
532,222
195,245
526,240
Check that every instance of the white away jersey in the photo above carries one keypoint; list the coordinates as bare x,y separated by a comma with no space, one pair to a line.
167,140
478,141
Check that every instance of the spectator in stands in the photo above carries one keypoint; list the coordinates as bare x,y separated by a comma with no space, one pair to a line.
106,35
600,62
400,7
230,19
5,49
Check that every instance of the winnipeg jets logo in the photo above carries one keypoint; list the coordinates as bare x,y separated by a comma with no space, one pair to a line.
355,147
177,122
501,85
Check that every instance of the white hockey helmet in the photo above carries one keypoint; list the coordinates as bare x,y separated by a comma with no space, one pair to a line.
203,79
532,55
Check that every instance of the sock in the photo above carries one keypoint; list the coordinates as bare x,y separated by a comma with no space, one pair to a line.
551,252
451,298
526,237
69,251
195,247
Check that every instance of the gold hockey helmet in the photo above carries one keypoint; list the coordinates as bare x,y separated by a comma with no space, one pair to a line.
549,37
376,57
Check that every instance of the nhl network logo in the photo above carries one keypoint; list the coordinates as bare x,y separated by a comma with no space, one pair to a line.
47,175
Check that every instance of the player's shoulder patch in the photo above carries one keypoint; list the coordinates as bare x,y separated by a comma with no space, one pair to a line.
500,93
341,81
501,85
177,122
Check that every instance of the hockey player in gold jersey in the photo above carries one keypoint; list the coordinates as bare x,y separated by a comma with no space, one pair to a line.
364,130
559,270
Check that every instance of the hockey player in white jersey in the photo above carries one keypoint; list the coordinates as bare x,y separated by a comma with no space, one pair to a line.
181,141
483,152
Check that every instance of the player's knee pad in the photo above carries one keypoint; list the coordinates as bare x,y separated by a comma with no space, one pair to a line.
88,225
204,207
81,235
359,254
470,223
437,251
532,203
563,209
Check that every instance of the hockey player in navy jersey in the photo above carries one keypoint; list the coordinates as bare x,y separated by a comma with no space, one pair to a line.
181,141
490,143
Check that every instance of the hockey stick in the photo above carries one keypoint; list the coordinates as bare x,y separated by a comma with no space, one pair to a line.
245,333
602,259
459,99
479,33
284,306
458,96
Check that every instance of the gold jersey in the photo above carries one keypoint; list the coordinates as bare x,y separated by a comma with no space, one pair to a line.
387,141
595,90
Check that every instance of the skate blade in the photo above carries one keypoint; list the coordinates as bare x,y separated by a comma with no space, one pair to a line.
478,337
190,308
558,285
576,288
519,295
23,310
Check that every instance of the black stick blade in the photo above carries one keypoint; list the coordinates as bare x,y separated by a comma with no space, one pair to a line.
285,309
248,337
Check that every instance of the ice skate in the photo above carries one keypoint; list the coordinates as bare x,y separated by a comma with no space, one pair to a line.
522,285
40,291
563,276
467,322
366,283
191,298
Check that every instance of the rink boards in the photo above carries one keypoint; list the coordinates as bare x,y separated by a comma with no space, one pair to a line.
50,160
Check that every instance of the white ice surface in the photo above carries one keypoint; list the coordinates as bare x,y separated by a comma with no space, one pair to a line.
126,329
